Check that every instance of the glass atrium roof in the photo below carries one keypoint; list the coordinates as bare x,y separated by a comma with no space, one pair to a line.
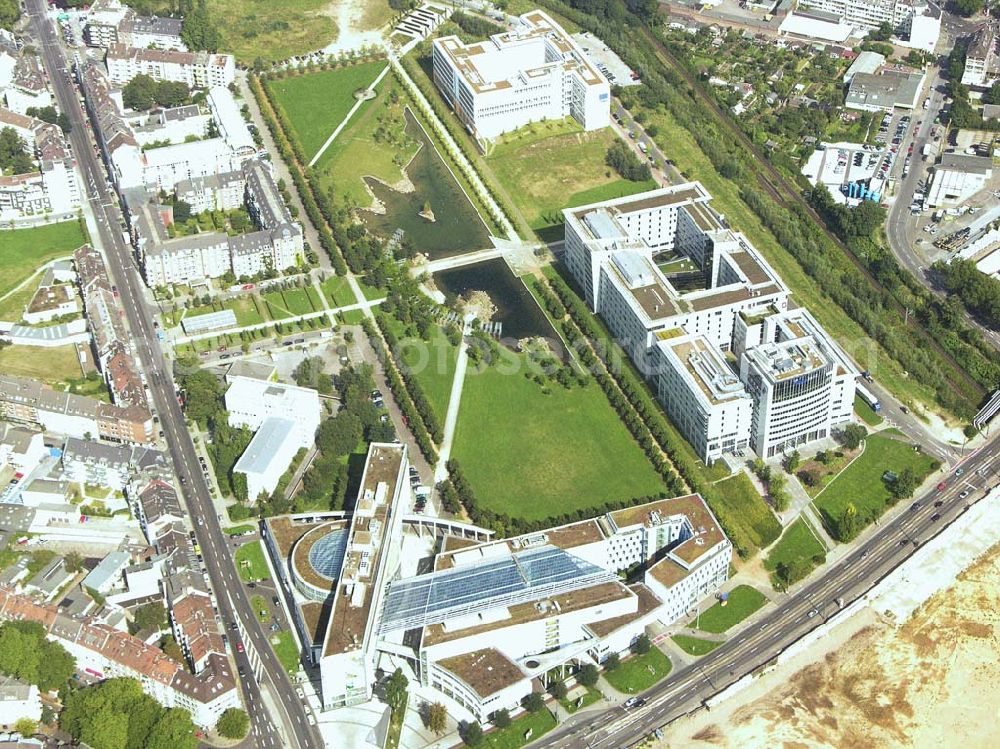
521,577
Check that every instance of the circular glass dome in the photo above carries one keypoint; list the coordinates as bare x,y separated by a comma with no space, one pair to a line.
326,556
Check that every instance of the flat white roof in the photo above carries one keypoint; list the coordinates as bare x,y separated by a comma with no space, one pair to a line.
260,456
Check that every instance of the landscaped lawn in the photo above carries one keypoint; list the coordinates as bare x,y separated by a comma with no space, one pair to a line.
338,292
433,365
639,672
286,650
534,455
741,509
250,562
795,550
12,307
865,412
861,482
316,103
54,366
373,143
548,166
591,696
238,529
244,307
260,608
26,250
291,303
695,645
743,601
512,736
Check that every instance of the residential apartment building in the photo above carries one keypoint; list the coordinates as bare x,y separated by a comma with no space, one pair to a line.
870,13
681,291
535,72
196,69
152,31
26,401
103,652
982,64
51,186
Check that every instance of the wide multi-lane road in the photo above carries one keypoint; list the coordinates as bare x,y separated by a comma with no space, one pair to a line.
258,660
755,646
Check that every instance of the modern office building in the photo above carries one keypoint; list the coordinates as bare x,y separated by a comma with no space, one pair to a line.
250,402
687,296
487,618
535,72
268,456
347,664
801,382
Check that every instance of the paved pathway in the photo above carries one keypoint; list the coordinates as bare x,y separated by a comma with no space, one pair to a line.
454,401
346,119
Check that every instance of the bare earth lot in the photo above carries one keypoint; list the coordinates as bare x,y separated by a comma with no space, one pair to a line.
929,683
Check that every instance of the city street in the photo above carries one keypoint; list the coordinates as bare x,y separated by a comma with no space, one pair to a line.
258,665
847,580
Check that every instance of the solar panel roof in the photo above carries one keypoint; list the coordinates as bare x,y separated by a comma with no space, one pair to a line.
523,576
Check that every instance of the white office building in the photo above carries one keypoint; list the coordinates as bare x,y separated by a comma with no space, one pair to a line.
679,290
250,402
802,384
956,178
535,72
268,456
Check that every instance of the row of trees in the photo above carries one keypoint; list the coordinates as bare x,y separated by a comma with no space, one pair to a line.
623,160
416,392
400,393
979,292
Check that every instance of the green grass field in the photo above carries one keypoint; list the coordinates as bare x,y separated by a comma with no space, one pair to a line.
639,672
25,250
796,549
250,562
739,507
512,736
12,307
695,645
286,650
338,292
316,103
54,366
682,149
238,529
260,608
865,412
433,365
548,166
534,455
743,601
861,482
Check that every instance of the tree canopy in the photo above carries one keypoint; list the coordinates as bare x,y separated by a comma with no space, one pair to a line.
623,160
27,655
14,157
142,93
10,11
116,714
233,723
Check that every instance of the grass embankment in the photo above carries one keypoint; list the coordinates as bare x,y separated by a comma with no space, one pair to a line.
695,645
797,553
743,601
639,672
548,166
862,483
